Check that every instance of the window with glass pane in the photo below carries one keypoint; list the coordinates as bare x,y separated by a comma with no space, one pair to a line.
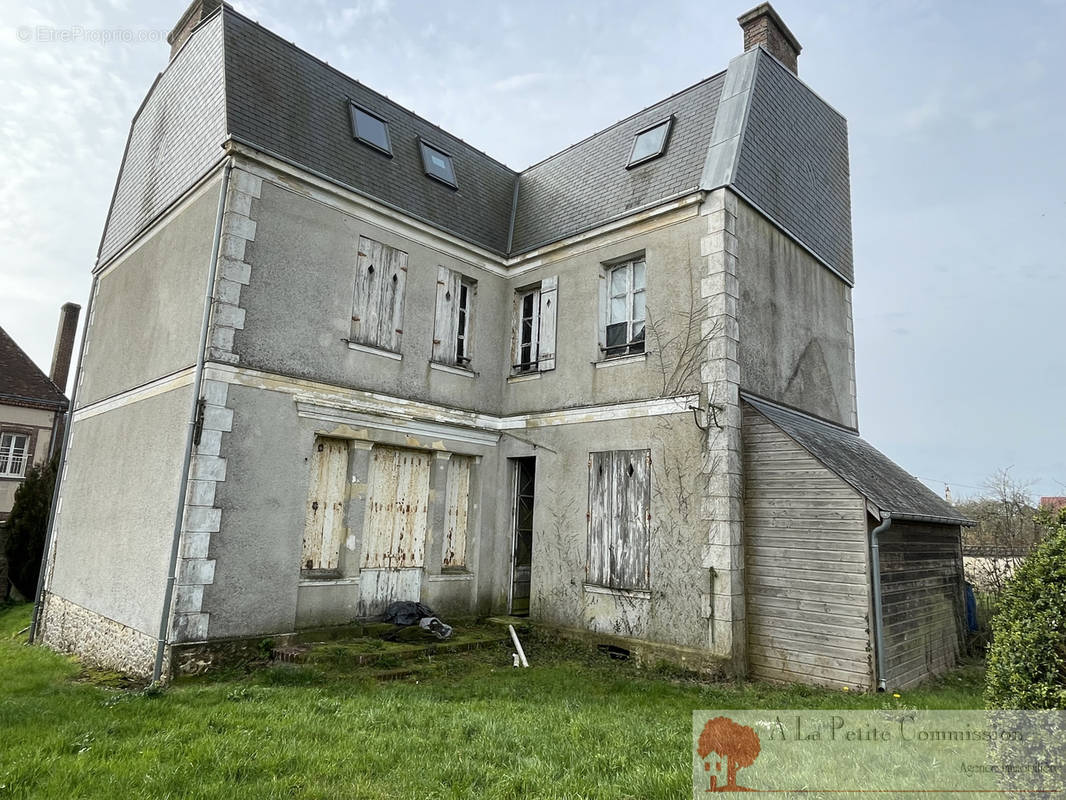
438,165
650,143
371,129
626,309
462,332
14,453
529,308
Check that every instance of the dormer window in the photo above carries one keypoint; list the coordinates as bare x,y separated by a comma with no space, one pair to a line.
370,129
650,143
438,164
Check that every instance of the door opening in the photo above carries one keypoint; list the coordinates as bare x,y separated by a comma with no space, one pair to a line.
522,534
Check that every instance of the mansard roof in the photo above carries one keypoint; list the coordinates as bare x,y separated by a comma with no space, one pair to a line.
779,146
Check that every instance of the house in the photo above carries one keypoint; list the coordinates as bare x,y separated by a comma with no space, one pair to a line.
352,359
32,405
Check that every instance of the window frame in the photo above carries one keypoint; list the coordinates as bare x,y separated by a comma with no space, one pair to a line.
632,346
353,107
533,364
424,148
7,456
464,329
669,123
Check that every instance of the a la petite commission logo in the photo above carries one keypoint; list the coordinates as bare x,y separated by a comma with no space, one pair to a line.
723,740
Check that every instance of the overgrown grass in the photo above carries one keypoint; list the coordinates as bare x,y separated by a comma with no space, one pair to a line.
574,725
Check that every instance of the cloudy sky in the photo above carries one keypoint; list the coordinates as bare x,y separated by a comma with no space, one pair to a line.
956,113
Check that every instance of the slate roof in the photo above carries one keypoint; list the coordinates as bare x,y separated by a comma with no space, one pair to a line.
235,78
587,184
21,381
873,474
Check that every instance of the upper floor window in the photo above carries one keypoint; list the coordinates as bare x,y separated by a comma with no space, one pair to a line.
533,329
370,129
650,143
377,305
14,454
453,323
623,309
438,164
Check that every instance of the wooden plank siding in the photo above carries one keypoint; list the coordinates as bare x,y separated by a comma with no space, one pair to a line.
921,585
806,565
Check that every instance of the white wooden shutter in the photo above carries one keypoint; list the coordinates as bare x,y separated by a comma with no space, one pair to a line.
397,509
453,552
394,283
599,554
446,316
549,301
324,522
366,296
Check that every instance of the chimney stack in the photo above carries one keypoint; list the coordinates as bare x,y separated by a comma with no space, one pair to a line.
762,26
196,13
64,346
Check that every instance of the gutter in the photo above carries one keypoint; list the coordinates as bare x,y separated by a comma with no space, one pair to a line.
879,623
194,408
62,468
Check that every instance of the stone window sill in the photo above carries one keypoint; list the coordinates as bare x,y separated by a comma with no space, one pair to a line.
636,594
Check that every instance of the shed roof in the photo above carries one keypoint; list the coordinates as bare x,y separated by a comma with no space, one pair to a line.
22,383
874,475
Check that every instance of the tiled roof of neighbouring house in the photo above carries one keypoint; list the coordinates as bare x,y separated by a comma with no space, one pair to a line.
21,381
873,474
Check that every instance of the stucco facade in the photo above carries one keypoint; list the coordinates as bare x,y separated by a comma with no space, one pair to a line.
268,457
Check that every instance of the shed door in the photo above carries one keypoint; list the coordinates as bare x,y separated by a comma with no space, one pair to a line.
324,522
397,517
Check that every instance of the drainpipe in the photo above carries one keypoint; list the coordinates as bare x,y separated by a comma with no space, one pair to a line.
879,623
194,408
67,428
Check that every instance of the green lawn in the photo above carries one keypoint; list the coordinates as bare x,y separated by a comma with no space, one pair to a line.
575,724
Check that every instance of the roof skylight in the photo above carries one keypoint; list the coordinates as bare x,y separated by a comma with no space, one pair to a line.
650,143
370,129
438,164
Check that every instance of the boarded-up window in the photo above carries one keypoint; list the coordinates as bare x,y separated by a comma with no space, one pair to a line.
324,523
458,510
397,508
377,305
453,318
619,518
533,327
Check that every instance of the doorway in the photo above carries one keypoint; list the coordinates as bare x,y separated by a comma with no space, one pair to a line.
524,470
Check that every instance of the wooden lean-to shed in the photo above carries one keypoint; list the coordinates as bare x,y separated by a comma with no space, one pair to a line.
822,507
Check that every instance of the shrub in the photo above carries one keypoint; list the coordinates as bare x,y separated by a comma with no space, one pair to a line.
1027,660
28,525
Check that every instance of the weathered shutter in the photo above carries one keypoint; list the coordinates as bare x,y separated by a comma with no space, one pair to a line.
446,316
365,299
599,554
324,522
516,328
397,509
549,301
453,552
629,557
393,284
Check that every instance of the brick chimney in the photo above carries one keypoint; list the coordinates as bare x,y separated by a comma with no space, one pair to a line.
196,13
64,346
762,26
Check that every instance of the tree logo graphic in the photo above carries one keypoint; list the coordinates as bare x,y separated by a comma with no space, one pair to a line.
737,744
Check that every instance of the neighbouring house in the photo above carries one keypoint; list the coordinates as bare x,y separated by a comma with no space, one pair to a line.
1052,503
32,406
337,357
